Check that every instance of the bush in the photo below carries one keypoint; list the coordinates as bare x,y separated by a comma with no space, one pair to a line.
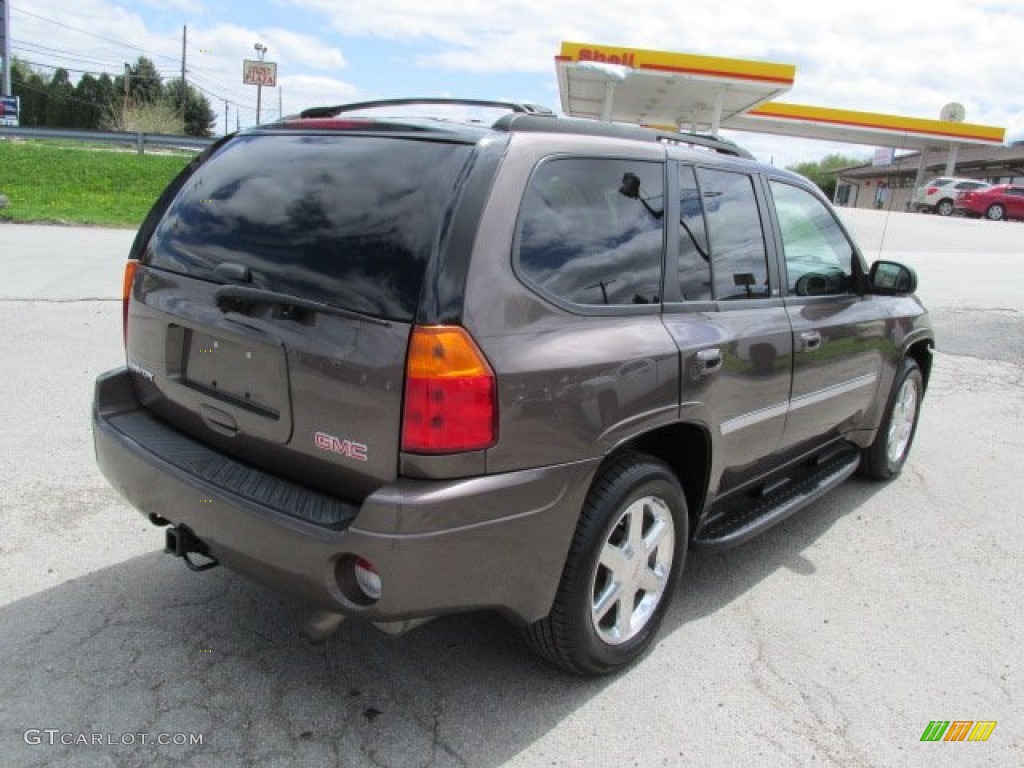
145,117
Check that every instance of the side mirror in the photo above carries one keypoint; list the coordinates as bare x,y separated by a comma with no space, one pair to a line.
891,278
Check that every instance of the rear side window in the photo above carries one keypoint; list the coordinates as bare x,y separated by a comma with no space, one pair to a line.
591,231
739,261
346,220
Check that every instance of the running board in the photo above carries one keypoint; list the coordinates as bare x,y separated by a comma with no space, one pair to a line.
774,507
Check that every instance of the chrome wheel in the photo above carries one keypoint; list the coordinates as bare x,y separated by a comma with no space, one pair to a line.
995,212
633,570
901,425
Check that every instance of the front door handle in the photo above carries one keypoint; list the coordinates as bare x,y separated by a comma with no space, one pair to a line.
710,360
811,339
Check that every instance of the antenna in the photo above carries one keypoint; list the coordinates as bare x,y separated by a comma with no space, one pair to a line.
892,197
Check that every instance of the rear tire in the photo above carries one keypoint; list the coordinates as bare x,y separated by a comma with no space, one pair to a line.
884,458
944,208
995,212
621,571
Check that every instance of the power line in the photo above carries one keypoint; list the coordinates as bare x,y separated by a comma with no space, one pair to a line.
209,89
47,51
121,43
235,101
232,98
88,71
53,95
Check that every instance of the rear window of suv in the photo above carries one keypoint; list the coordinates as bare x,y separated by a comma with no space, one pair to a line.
349,221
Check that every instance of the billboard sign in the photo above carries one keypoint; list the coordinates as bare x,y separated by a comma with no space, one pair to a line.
9,110
259,72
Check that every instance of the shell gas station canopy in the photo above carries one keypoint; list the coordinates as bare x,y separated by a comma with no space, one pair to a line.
703,94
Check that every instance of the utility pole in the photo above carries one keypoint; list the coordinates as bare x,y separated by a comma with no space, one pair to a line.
124,102
261,51
184,87
5,45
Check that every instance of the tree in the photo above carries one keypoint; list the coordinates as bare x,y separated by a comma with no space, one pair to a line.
144,83
59,104
89,103
824,172
30,86
199,115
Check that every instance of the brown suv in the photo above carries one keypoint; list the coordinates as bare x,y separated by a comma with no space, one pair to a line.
404,366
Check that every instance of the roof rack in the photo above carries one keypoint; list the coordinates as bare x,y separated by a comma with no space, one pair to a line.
518,122
524,109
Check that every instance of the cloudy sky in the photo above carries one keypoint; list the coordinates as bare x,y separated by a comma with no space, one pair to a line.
906,57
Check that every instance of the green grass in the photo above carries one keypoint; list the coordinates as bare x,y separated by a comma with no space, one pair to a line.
51,182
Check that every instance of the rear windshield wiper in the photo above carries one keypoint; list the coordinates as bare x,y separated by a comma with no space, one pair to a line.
230,297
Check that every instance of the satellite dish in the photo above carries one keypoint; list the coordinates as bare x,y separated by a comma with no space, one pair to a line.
953,113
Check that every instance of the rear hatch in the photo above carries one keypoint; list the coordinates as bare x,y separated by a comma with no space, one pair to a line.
271,313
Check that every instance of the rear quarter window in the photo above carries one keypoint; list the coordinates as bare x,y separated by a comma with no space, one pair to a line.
350,221
591,231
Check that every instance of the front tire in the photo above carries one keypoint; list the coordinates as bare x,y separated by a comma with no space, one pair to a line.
995,212
621,571
885,457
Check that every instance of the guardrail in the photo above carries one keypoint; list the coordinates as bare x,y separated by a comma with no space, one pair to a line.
139,140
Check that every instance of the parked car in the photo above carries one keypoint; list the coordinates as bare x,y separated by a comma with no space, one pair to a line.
939,195
998,202
400,367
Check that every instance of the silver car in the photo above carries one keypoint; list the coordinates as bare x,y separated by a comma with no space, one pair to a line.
939,195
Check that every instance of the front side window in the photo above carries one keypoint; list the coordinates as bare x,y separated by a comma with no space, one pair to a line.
591,231
739,260
819,257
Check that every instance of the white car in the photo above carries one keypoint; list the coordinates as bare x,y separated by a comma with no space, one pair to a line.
939,194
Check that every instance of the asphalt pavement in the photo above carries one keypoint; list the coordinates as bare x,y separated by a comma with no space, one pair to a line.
831,640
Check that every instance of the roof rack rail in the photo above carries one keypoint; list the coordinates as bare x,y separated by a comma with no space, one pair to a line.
525,109
517,122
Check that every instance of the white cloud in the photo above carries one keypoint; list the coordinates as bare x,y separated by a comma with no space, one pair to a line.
302,91
906,57
193,7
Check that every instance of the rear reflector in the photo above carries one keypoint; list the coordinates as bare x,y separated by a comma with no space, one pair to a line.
130,268
368,579
450,399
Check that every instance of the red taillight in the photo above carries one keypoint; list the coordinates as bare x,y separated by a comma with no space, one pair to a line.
329,123
130,268
450,399
931,190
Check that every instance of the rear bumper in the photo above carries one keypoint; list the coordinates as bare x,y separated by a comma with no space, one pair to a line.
496,541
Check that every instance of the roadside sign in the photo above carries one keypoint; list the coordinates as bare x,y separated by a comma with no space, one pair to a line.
9,110
259,72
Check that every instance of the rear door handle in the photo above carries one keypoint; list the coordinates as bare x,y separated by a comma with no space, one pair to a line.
710,360
811,339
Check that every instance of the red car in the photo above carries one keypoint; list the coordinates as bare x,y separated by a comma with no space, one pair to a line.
998,202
